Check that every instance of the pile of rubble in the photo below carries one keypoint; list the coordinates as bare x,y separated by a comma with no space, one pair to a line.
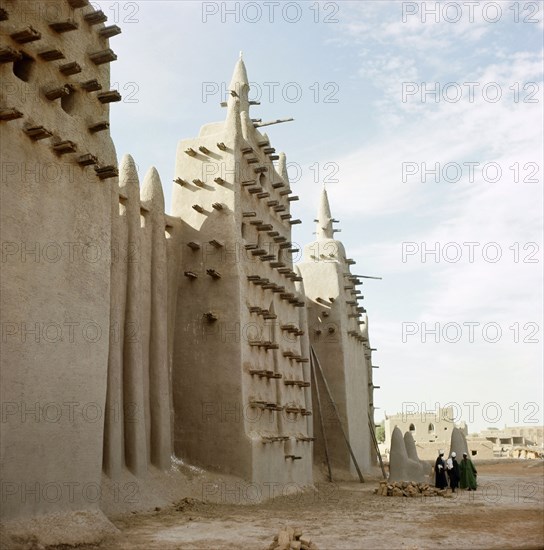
408,489
292,539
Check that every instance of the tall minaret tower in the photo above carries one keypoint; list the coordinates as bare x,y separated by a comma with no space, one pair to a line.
240,381
339,336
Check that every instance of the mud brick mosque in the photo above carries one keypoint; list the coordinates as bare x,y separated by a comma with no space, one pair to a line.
185,312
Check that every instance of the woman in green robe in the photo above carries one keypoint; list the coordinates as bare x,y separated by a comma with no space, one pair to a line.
468,474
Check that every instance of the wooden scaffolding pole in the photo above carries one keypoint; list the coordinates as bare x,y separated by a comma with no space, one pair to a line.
314,375
376,446
361,479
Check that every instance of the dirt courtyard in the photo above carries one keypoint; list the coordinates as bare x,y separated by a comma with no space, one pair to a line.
507,511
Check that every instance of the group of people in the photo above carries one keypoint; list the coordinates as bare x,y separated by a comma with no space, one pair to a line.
450,472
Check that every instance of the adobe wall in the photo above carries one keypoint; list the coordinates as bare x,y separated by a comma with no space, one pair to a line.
252,405
58,168
139,336
138,405
335,334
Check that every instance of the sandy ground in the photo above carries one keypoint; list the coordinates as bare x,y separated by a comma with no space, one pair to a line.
507,511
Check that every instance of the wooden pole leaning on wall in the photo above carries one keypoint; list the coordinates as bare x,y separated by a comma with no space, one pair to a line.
376,446
316,360
322,424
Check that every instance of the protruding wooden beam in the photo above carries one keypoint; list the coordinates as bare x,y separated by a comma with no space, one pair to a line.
299,383
273,438
8,54
52,54
95,17
37,132
204,150
191,152
193,246
57,92
213,273
198,182
109,97
221,146
217,244
78,3
190,275
220,181
181,182
217,206
278,121
210,317
103,56
269,286
70,68
198,208
99,126
91,85
28,34
109,32
63,147
64,26
105,172
10,114
87,159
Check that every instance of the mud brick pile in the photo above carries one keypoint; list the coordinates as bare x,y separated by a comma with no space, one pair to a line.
290,538
408,489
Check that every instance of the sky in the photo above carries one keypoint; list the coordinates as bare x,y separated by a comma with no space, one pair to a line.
425,122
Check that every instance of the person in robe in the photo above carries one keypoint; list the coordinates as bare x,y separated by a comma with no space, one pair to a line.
440,480
468,474
452,468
